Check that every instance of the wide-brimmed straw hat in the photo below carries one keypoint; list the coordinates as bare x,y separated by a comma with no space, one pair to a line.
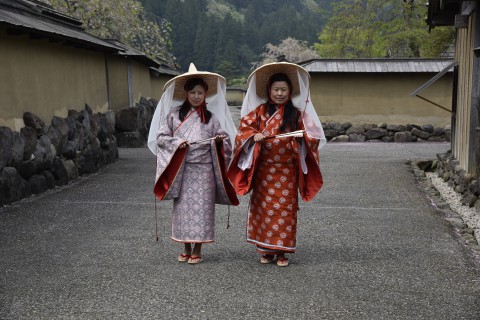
209,77
263,74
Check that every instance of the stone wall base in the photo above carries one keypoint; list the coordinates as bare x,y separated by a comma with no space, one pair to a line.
42,156
454,194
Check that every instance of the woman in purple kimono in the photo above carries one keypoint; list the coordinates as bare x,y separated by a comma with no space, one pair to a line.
192,142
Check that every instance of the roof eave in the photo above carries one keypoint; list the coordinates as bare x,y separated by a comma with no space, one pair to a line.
61,38
441,13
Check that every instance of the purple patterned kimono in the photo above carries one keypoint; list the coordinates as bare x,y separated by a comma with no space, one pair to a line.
193,177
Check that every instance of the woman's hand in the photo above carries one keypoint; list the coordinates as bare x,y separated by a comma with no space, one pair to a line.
183,145
219,138
258,137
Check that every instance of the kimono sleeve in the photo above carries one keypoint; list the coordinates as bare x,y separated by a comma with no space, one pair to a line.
242,178
170,162
221,153
312,181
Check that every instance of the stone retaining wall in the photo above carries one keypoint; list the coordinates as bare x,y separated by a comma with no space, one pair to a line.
346,132
448,168
462,210
132,124
468,186
41,156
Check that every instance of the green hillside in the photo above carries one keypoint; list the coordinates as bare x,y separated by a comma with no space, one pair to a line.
226,36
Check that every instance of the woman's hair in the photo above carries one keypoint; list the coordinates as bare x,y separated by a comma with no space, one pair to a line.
192,82
290,114
186,106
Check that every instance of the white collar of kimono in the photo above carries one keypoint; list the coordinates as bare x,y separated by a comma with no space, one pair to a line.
216,104
302,101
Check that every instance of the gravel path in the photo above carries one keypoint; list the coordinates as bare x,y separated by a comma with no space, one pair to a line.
370,246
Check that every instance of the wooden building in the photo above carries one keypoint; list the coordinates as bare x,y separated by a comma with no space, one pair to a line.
465,128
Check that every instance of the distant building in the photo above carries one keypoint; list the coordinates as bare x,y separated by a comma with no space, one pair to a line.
235,95
379,90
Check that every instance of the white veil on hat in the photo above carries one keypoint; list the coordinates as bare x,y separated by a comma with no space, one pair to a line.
300,78
174,95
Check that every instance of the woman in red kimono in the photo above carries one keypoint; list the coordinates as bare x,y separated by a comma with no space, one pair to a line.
275,156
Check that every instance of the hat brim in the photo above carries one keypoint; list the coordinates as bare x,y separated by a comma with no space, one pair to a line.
264,73
209,77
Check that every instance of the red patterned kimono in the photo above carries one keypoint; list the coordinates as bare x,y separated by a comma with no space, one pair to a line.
275,176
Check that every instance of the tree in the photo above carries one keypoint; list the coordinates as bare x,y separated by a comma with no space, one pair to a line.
290,49
203,30
123,20
380,28
203,54
185,17
229,71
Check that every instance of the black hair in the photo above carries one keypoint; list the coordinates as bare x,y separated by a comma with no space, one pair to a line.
186,106
291,113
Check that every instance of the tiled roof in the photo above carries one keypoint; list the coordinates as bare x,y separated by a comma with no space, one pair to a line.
133,53
376,65
42,20
163,69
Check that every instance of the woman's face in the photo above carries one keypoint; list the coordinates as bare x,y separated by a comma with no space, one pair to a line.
279,92
196,96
